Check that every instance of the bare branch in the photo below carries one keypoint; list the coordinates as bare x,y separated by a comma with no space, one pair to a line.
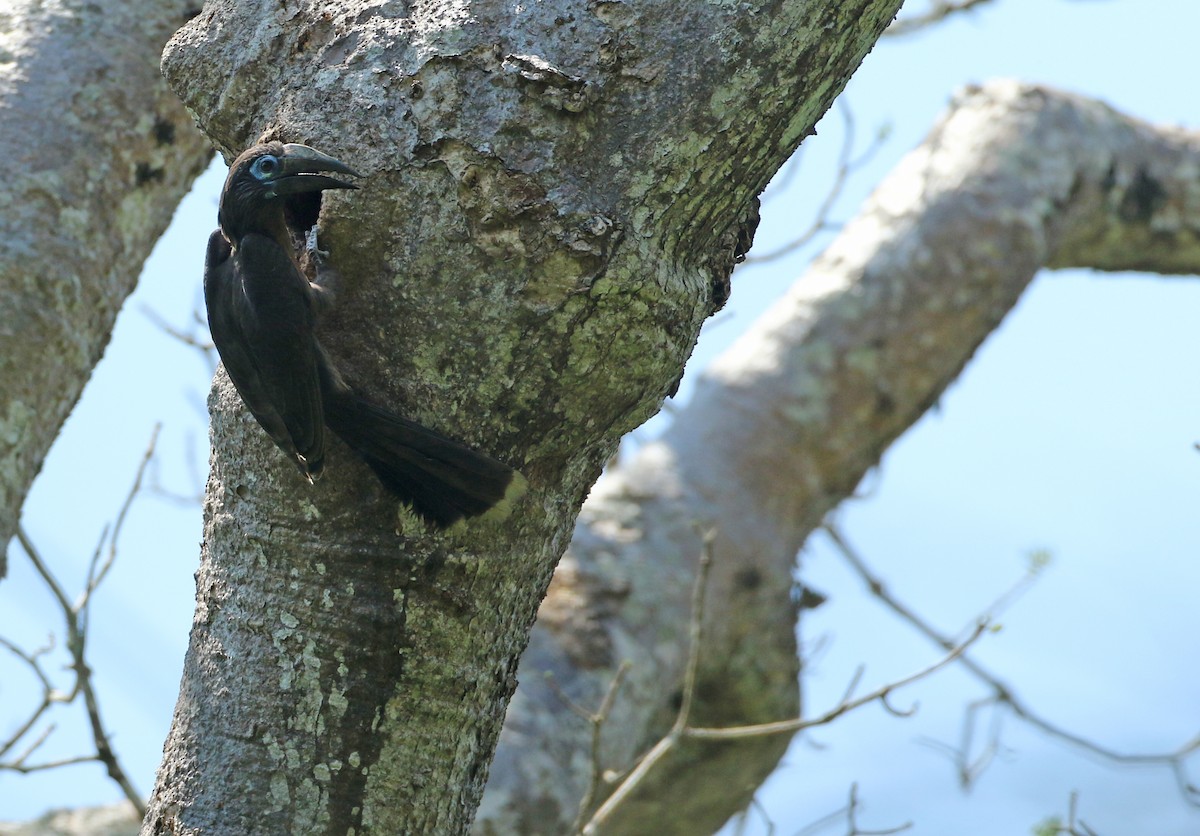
1004,696
880,694
847,165
133,122
597,721
76,624
31,660
936,13
681,730
96,577
1033,165
668,742
852,819
204,346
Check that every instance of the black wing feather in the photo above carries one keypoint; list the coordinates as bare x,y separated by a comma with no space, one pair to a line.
260,312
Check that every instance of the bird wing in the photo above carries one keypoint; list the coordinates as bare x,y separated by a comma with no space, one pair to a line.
261,317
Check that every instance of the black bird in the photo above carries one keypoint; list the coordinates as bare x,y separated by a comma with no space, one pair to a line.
262,312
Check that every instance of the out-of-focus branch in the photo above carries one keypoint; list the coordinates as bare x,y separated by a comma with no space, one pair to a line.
196,336
1004,696
32,660
852,828
1015,178
850,813
936,13
1055,826
596,719
847,705
106,153
682,730
75,617
848,163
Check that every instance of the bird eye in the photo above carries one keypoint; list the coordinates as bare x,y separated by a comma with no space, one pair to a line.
265,167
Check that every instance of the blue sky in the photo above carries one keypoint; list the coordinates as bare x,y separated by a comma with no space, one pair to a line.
1072,430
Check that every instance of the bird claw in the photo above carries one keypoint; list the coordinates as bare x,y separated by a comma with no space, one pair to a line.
310,244
324,278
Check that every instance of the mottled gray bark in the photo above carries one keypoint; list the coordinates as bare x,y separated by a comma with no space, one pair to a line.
554,198
1009,163
97,154
784,425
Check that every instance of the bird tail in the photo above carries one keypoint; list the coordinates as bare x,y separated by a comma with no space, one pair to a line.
444,481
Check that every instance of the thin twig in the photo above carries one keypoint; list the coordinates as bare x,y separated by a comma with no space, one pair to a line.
680,730
1073,827
20,766
35,558
847,164
757,806
49,697
76,624
597,720
1004,695
19,761
155,483
801,723
852,828
695,627
820,221
820,824
94,577
936,13
205,346
783,178
668,742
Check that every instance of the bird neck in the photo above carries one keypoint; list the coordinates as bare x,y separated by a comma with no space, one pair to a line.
266,218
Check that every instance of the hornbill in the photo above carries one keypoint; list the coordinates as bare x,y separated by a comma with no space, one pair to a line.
262,312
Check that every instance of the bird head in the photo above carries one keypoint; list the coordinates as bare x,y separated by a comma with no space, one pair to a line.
265,180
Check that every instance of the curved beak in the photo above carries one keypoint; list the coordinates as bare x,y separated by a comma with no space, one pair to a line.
301,169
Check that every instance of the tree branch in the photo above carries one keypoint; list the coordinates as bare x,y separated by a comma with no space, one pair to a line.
880,694
106,152
784,425
936,13
1005,695
75,618
848,163
682,730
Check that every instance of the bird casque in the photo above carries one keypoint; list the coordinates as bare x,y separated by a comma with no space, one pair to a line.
262,313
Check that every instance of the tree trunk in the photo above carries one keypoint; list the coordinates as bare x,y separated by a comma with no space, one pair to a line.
1008,156
555,197
98,152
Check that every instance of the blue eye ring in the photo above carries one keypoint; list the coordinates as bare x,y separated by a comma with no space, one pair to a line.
265,167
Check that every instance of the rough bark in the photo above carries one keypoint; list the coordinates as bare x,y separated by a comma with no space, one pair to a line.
784,425
1006,148
98,152
553,205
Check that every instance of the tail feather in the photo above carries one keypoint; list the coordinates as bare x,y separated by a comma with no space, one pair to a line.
444,481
